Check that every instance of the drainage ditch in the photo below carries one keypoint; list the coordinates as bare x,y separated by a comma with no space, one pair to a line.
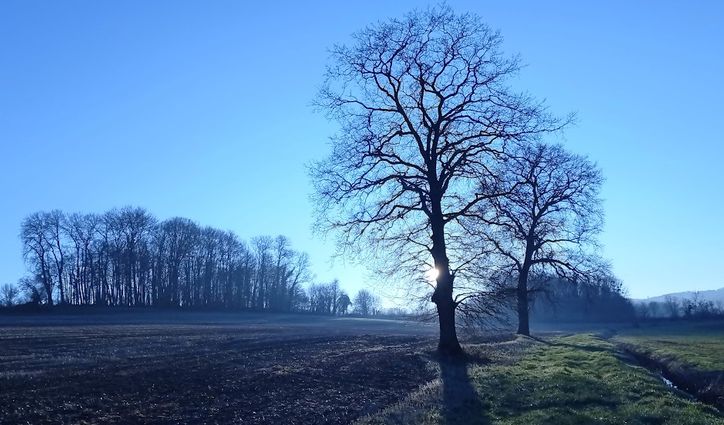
706,387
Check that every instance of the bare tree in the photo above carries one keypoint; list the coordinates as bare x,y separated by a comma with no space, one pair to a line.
334,294
181,236
323,297
298,275
654,309
365,303
8,294
36,251
547,221
283,254
81,230
55,221
642,311
424,109
262,247
343,303
34,290
672,307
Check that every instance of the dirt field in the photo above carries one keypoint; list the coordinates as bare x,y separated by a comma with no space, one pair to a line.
206,368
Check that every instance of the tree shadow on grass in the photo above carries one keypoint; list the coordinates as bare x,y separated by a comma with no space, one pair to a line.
461,403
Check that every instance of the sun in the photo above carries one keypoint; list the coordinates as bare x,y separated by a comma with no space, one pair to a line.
431,274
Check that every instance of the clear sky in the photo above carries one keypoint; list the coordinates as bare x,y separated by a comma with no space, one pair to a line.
202,109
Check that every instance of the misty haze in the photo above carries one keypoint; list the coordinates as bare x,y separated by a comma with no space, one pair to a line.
232,212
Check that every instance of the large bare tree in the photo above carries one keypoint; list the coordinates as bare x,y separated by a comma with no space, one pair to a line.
424,109
548,222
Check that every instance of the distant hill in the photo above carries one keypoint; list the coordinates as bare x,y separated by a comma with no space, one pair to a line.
714,295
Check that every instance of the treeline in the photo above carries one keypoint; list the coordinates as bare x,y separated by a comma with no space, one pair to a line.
692,308
126,257
559,300
328,298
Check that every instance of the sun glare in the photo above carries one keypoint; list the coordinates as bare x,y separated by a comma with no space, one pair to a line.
431,274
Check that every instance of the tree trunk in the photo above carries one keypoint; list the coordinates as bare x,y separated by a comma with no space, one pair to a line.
443,295
60,285
522,295
448,343
49,294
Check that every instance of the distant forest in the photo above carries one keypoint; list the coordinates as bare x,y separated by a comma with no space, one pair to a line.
559,300
126,257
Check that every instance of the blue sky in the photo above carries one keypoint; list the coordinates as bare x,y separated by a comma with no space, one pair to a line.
202,109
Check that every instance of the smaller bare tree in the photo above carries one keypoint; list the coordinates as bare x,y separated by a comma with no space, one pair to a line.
672,307
643,312
365,303
34,290
343,303
546,223
8,294
36,252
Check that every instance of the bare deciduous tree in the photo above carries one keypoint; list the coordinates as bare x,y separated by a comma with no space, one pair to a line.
424,109
365,303
547,221
54,222
33,289
343,303
323,297
8,294
672,307
36,251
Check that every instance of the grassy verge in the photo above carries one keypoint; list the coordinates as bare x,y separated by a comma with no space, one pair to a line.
568,380
689,354
699,345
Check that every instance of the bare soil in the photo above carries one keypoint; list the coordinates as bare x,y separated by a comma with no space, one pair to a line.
258,370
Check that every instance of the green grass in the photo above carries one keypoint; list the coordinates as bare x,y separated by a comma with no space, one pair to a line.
700,345
568,380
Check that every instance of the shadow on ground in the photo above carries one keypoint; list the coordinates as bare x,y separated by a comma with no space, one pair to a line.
461,402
